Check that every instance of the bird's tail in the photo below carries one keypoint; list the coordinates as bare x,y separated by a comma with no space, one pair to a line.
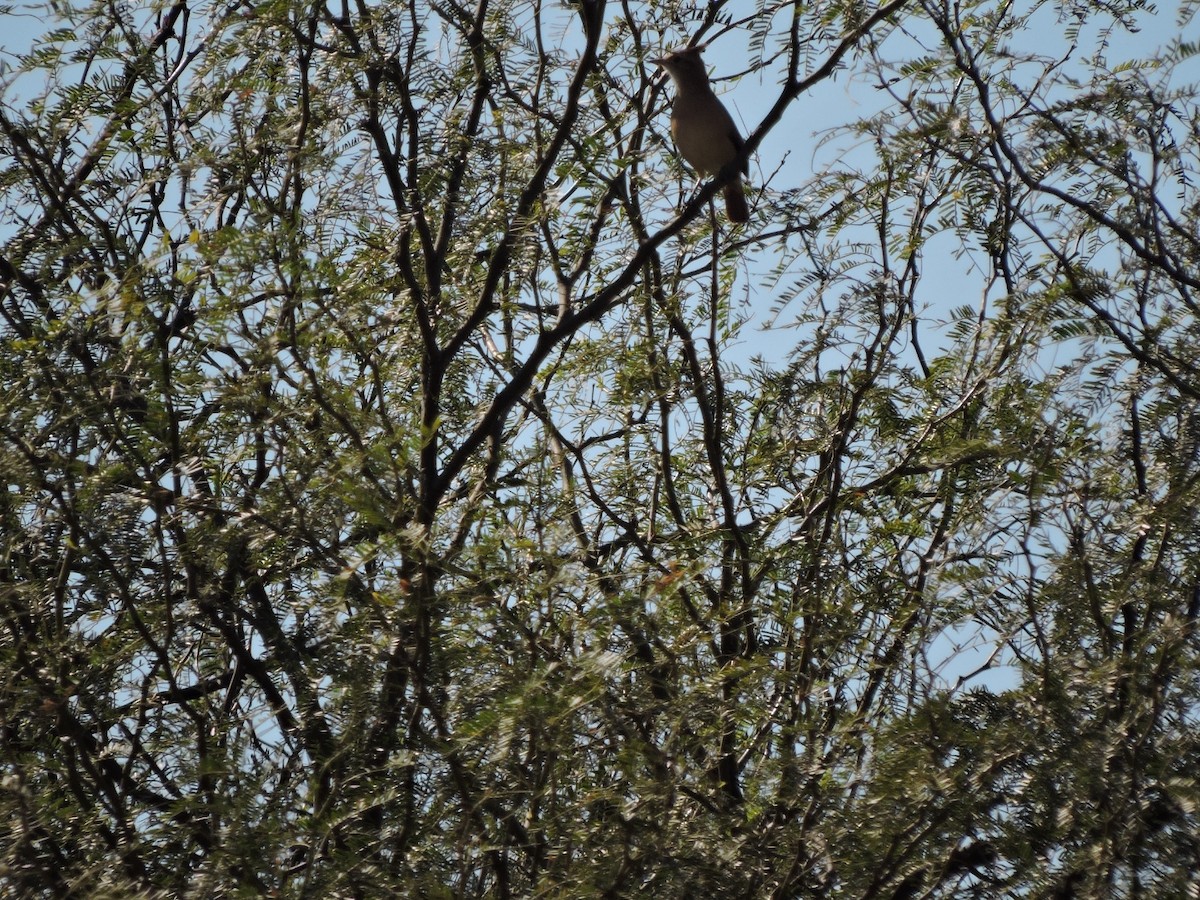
735,202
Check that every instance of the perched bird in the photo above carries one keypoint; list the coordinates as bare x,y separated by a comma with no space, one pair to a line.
702,128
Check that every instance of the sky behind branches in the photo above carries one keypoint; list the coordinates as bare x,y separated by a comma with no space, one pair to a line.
811,140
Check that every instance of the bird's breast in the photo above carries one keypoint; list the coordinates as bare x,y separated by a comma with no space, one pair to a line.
703,139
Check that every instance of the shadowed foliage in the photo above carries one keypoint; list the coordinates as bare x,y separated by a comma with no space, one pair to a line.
411,488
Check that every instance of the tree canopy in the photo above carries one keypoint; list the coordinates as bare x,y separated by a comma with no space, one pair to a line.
412,488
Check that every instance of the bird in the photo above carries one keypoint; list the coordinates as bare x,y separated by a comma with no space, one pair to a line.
704,132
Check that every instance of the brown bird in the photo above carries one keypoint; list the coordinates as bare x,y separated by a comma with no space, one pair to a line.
702,128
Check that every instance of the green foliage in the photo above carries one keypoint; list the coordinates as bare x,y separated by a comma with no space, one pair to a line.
398,499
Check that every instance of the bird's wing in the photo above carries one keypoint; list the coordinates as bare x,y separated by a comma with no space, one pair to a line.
738,144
